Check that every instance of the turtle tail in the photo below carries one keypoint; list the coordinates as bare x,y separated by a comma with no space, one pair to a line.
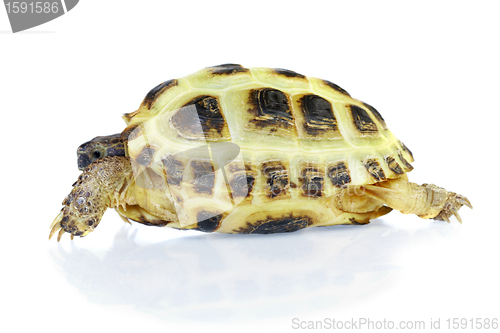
100,186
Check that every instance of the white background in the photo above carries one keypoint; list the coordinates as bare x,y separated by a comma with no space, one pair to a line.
431,69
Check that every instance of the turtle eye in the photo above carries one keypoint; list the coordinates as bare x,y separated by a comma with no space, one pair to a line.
96,154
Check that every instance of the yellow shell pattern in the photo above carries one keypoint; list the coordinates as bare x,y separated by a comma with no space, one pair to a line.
234,147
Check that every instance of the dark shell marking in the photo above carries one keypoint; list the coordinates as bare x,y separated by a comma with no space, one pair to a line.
271,108
208,222
288,73
277,178
374,169
146,156
336,87
364,123
174,169
339,174
154,93
271,226
204,176
228,69
376,114
209,114
393,165
241,184
406,149
241,180
407,164
318,114
311,181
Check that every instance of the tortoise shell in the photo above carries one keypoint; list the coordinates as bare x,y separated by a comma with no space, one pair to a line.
230,136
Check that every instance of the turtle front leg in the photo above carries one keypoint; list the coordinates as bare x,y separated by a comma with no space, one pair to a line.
428,201
102,185
453,203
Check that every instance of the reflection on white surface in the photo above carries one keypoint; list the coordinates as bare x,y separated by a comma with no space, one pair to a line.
215,277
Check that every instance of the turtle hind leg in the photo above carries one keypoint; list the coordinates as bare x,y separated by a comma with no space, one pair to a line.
428,201
97,189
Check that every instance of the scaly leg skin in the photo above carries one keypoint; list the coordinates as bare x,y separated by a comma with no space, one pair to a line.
102,185
451,207
428,201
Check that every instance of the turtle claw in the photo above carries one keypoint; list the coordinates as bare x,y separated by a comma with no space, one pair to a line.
454,212
61,232
56,224
55,228
451,207
464,201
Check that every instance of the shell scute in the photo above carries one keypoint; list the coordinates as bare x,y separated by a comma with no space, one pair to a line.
208,120
316,118
364,123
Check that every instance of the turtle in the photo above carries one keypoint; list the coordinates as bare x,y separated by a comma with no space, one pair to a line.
252,151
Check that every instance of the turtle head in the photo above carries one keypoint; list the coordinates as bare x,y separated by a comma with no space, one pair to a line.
99,147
